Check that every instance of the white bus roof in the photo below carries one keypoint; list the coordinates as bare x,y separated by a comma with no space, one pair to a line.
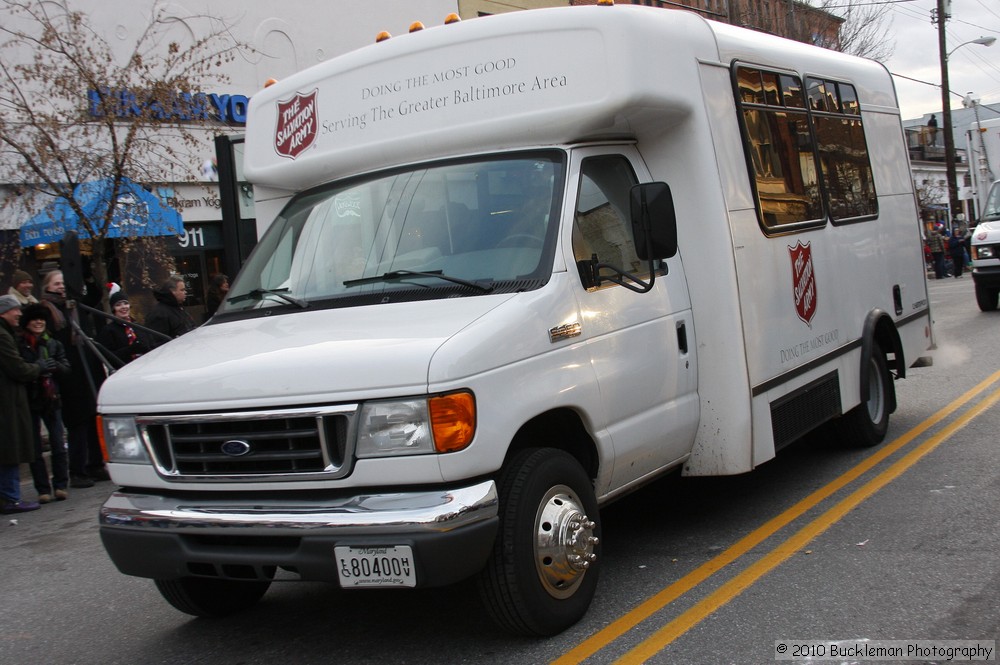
539,77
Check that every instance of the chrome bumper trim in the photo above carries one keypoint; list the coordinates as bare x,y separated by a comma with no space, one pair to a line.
430,511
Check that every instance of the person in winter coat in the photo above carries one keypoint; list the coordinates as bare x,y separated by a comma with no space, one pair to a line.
120,337
78,390
43,397
216,294
17,445
957,247
21,285
168,317
935,242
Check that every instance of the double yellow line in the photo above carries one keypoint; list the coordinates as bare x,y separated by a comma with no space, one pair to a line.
731,589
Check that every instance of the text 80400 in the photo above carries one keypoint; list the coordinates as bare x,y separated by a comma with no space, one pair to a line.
376,566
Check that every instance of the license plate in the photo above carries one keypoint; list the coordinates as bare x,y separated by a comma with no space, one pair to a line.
376,566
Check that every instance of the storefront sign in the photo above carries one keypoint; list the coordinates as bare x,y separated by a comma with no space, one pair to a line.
185,107
198,237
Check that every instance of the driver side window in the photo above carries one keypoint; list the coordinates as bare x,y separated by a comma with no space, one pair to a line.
601,224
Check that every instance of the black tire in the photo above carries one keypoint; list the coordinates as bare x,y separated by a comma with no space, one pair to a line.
866,424
986,298
542,574
205,597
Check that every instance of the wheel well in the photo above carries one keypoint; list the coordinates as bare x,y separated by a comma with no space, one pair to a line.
562,429
888,340
880,329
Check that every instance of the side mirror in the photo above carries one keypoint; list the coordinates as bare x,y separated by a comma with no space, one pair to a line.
654,222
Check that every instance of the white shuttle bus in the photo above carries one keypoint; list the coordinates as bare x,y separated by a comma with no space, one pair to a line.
514,268
984,165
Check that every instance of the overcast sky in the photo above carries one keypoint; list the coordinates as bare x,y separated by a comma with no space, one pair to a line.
972,68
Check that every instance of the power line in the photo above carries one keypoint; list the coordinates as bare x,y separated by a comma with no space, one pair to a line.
866,4
987,8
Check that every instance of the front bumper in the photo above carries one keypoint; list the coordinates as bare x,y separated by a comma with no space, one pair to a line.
988,277
451,532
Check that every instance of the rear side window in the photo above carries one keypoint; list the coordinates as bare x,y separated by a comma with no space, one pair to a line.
805,148
843,153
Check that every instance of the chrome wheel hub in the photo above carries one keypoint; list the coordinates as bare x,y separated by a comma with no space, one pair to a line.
564,541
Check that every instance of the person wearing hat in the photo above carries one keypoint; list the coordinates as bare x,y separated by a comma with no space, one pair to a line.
17,445
126,341
44,400
21,285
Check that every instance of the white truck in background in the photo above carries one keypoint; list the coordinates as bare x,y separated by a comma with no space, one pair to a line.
514,268
984,165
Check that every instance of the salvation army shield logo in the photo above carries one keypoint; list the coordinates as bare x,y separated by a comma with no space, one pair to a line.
296,128
803,281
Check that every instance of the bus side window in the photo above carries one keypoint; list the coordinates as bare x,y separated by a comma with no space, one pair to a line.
779,149
805,148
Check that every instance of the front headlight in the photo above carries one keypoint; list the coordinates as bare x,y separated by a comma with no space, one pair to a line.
443,423
394,428
121,440
985,251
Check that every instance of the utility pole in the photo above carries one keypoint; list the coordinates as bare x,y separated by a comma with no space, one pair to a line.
954,205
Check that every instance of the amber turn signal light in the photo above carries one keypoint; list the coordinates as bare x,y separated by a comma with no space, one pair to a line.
453,421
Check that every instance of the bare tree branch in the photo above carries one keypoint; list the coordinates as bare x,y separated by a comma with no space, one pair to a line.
863,31
71,112
867,27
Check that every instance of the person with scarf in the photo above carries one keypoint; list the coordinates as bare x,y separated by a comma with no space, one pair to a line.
79,387
37,344
126,341
21,286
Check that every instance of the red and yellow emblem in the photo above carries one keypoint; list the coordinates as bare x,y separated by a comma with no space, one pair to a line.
803,281
296,127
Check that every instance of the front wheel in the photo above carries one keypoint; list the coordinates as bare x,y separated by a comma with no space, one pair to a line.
542,574
204,597
986,298
866,424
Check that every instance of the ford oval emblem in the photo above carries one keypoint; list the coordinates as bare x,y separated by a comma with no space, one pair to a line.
236,448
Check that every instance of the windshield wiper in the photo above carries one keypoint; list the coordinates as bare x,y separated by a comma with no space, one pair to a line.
258,294
486,287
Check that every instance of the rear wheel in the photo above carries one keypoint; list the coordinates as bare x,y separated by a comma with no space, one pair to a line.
542,574
205,597
986,298
866,424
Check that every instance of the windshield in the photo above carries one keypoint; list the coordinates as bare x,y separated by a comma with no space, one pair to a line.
991,211
457,228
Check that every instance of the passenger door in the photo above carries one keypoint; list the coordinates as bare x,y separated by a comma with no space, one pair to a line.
641,345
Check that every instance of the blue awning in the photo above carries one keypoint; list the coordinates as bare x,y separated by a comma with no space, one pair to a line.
137,213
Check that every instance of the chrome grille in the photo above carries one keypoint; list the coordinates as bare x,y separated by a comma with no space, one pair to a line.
251,446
